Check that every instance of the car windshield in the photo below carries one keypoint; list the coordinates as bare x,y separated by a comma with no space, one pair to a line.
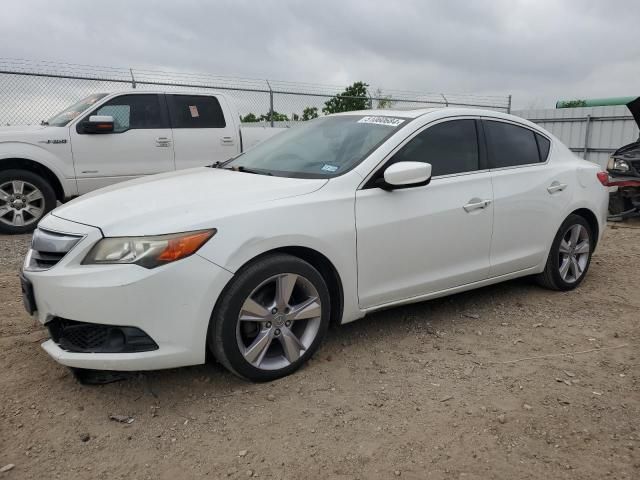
69,113
324,147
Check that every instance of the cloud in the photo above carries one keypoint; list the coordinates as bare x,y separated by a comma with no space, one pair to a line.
535,50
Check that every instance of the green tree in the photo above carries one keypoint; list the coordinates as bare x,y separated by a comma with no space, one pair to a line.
249,118
353,98
574,103
383,102
309,113
277,117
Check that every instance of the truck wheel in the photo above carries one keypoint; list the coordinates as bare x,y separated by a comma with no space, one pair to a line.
25,197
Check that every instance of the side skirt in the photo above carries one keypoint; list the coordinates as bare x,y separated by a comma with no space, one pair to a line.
451,291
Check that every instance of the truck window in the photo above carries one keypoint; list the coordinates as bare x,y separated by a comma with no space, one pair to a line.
133,112
195,111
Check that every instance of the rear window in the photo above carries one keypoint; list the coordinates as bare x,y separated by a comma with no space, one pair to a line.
195,111
510,145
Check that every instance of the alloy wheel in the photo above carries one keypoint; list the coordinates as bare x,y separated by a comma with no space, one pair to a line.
21,203
574,253
279,321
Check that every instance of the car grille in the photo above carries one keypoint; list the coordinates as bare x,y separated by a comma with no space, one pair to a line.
85,337
48,248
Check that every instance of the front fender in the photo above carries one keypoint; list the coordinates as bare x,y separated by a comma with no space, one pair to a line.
55,157
325,227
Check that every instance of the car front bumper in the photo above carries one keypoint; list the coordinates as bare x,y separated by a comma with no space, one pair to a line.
172,304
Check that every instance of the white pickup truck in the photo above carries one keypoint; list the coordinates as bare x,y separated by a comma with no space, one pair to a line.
108,138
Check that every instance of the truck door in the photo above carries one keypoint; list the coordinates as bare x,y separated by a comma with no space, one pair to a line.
201,133
140,144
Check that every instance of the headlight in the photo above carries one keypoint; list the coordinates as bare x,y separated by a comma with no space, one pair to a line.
148,252
618,165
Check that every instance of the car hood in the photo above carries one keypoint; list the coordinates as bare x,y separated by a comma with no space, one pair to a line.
634,108
179,201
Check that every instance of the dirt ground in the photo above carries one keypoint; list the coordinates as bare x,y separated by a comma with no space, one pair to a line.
509,381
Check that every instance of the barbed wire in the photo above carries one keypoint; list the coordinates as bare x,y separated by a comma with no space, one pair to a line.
32,90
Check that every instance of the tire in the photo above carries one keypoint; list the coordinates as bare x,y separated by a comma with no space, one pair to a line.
25,197
251,327
560,271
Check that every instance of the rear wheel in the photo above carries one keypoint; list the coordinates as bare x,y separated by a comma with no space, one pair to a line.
570,255
271,318
25,198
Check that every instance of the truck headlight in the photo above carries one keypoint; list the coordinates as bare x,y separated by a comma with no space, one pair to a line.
148,252
618,165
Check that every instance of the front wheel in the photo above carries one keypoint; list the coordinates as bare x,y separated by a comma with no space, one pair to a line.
25,198
271,318
570,255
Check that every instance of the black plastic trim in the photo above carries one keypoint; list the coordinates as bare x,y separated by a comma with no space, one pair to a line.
83,337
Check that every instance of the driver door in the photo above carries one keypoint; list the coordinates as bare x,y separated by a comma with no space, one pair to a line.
140,144
425,239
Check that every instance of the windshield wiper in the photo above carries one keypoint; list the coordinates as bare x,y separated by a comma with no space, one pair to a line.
242,168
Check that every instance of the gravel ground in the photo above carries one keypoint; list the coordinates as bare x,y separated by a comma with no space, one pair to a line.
509,381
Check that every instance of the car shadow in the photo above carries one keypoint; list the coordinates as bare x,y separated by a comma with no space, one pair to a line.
430,316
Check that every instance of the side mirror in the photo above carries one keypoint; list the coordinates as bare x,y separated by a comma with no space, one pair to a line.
97,124
406,174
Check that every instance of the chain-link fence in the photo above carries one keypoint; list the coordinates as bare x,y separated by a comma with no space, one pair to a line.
33,91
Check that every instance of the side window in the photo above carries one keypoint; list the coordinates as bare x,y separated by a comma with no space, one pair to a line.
510,145
195,111
133,112
450,147
543,147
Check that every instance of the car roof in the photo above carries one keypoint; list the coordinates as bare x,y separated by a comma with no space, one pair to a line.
444,112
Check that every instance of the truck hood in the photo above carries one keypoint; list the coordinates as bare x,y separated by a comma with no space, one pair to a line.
179,201
31,133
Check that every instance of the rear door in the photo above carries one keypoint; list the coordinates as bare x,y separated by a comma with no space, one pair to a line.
140,143
201,133
530,195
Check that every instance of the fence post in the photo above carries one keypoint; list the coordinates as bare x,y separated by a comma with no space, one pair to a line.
587,131
270,102
509,105
133,79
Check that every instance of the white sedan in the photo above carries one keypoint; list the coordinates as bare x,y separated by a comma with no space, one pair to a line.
254,258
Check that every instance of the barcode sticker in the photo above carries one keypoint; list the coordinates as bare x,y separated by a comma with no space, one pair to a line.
389,121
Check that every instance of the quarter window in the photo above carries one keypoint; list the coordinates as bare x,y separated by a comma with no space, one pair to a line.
510,145
133,112
450,147
195,111
543,147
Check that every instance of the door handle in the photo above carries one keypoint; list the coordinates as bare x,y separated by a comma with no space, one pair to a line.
226,140
163,142
476,204
556,187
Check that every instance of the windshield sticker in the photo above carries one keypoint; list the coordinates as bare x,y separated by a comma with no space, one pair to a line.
329,168
194,111
389,121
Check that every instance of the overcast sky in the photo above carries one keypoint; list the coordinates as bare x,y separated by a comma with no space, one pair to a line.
538,51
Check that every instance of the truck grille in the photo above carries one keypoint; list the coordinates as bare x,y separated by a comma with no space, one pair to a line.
48,248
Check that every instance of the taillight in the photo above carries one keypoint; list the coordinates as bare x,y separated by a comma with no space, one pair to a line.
604,178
